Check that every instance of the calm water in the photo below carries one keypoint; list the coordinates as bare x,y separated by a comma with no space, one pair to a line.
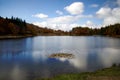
25,59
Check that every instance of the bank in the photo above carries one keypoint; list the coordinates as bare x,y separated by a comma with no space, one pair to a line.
112,73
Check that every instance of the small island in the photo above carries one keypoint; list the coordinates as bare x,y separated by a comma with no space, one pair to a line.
62,55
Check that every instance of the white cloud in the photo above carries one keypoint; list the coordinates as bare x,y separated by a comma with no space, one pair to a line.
109,15
104,12
116,12
67,19
63,19
90,24
75,8
55,26
85,16
110,20
113,18
40,15
94,5
41,24
65,23
59,12
118,2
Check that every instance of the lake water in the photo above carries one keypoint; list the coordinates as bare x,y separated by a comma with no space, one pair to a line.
26,59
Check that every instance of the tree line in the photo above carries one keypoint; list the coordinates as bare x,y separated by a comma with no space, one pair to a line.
17,26
111,30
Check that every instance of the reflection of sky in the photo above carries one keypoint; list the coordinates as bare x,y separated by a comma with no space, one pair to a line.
104,58
17,73
30,56
108,56
79,62
16,48
91,53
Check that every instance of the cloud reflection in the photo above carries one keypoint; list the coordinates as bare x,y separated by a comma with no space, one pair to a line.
39,55
108,56
31,56
17,73
80,61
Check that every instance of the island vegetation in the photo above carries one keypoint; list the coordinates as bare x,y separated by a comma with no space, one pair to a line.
112,73
62,55
16,27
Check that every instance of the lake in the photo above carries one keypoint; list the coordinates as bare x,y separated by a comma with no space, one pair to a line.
27,58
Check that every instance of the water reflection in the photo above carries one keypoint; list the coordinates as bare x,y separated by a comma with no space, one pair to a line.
17,73
108,56
14,48
29,56
79,62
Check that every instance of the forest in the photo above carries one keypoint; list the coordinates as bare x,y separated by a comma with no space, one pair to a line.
17,26
111,30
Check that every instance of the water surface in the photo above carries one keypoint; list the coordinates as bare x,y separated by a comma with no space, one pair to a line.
26,59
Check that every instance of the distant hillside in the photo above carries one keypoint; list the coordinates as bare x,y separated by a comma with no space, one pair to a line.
111,30
16,26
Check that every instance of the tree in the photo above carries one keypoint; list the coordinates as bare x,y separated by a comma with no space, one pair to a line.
13,28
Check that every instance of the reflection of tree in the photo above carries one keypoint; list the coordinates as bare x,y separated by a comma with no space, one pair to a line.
16,47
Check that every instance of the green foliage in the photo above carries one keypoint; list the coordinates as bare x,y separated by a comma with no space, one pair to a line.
103,74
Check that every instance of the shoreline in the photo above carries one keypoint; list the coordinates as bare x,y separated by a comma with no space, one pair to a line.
25,36
14,37
111,73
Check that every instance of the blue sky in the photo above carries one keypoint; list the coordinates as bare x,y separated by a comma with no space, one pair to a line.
63,14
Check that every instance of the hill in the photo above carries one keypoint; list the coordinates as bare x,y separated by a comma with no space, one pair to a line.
18,27
111,30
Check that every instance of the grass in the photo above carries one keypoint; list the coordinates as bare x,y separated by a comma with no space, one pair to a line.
112,73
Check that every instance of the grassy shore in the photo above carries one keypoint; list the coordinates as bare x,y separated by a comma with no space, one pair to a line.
112,73
14,36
